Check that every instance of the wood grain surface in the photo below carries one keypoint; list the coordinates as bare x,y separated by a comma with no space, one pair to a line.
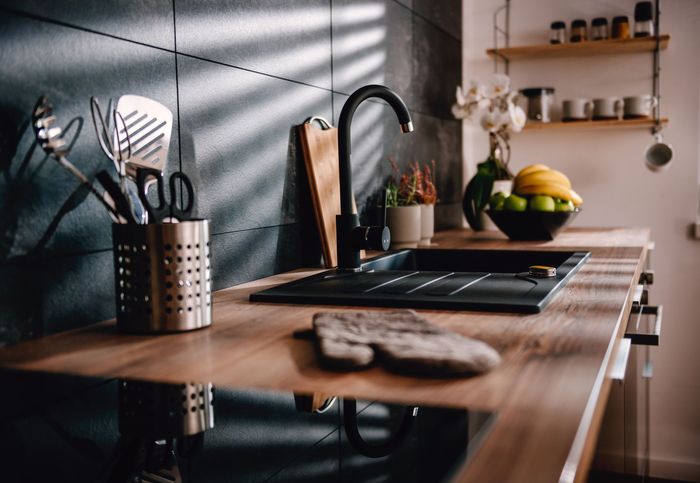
582,49
588,125
548,390
320,148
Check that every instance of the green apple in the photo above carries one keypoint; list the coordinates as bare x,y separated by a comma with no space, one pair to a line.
515,203
497,200
562,205
541,203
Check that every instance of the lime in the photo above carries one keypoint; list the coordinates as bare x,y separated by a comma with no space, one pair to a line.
497,200
515,203
563,205
541,203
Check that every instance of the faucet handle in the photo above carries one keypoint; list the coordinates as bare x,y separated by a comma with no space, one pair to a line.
371,237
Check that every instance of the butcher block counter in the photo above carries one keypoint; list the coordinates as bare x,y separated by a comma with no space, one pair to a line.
549,392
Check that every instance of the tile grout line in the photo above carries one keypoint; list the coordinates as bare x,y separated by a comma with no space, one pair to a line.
143,44
330,14
177,107
427,20
203,59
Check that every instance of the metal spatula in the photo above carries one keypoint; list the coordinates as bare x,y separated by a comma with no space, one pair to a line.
144,140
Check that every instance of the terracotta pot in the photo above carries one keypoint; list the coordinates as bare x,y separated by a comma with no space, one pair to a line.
427,223
504,185
405,226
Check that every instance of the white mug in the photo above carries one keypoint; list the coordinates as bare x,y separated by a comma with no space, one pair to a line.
659,154
577,110
608,108
639,106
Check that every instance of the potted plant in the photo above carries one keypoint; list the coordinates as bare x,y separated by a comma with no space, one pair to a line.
402,209
499,116
411,198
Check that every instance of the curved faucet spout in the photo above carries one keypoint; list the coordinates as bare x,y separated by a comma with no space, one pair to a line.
351,238
344,124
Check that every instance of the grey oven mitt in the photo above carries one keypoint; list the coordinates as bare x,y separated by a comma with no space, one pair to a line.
402,340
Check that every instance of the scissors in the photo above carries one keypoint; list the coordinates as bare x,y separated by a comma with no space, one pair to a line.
166,210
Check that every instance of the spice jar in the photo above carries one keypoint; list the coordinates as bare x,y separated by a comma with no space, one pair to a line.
558,32
599,28
620,27
579,31
643,19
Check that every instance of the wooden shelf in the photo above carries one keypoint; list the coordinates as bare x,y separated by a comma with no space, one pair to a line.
582,49
585,125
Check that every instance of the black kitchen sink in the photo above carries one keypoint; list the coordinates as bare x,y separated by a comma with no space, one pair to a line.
493,280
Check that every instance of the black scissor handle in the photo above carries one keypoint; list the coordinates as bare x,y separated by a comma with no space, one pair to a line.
143,176
184,213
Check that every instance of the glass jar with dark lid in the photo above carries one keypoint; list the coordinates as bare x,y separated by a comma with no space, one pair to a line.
558,32
620,27
579,31
643,19
599,28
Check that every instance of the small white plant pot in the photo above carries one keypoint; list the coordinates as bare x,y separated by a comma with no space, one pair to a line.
427,224
405,225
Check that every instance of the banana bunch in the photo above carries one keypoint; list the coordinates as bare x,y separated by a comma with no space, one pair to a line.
538,179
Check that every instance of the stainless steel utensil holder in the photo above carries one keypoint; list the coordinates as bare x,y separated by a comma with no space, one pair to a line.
162,274
160,410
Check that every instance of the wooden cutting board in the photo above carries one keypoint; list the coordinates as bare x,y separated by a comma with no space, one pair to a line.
320,149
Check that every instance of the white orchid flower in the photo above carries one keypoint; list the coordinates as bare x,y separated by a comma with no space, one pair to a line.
500,85
459,97
516,118
491,121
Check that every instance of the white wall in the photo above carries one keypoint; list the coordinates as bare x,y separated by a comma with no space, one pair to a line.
606,168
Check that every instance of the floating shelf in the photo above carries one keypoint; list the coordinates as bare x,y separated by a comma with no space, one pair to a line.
582,49
583,125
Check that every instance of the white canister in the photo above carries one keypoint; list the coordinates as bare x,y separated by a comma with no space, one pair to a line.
637,107
577,110
608,108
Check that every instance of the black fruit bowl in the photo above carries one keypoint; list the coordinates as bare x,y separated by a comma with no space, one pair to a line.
532,225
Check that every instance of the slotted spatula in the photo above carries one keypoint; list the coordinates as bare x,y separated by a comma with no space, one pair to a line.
144,140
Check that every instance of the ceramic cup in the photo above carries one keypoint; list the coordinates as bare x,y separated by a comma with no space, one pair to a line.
639,106
608,108
577,110
659,154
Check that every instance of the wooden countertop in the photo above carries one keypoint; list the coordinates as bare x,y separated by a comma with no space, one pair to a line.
549,391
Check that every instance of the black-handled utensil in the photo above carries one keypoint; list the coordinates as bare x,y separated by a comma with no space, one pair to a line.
121,203
166,209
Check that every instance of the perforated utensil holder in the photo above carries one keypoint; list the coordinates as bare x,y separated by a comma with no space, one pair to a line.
162,274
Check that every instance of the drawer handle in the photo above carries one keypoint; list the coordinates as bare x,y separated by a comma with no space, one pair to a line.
619,366
653,337
640,297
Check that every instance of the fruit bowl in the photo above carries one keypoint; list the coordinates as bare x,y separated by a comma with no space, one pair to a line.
531,225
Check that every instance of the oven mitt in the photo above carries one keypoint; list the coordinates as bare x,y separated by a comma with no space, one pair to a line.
401,340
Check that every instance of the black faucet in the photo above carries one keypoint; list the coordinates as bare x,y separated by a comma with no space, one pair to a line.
351,236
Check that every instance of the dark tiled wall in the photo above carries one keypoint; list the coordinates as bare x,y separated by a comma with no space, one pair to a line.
238,75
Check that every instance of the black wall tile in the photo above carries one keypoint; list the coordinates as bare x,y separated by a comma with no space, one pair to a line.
38,212
238,127
446,14
441,140
149,22
372,44
286,39
437,62
42,296
242,256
